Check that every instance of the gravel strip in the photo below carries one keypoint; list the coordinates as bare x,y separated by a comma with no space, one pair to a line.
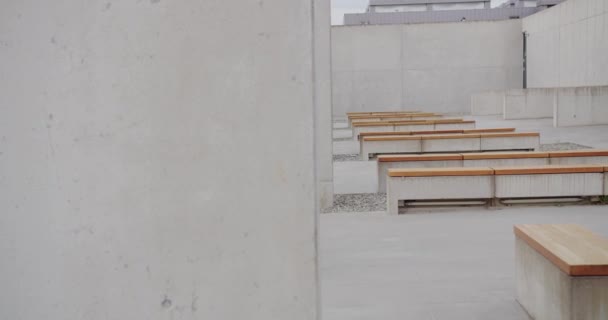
346,157
562,146
363,202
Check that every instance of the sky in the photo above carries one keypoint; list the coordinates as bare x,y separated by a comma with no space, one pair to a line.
340,7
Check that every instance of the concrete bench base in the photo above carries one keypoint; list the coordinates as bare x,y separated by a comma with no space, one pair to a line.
549,185
436,188
384,166
547,293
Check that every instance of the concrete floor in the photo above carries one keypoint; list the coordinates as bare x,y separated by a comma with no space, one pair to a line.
361,176
448,265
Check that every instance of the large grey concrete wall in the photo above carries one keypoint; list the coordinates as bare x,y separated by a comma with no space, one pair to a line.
323,113
156,160
568,45
432,67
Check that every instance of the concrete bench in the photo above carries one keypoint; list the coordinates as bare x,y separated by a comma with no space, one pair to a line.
427,125
486,159
561,272
427,132
495,183
448,143
437,184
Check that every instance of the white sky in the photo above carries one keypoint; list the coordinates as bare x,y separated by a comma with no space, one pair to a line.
340,7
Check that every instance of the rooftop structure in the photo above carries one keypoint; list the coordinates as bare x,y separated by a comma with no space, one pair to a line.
434,11
383,6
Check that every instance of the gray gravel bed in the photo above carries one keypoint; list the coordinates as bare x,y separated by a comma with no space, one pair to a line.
362,202
562,146
346,157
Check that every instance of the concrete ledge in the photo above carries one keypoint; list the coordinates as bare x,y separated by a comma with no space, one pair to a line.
510,141
390,146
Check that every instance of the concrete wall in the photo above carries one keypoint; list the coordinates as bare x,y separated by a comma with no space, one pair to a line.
323,114
581,106
487,103
432,67
528,104
568,45
132,181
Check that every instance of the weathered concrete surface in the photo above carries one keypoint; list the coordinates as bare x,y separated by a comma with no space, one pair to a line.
432,66
547,293
567,45
549,185
581,106
529,103
131,185
510,143
487,103
323,115
455,264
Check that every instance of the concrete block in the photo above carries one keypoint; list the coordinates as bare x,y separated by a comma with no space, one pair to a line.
547,293
510,143
451,145
384,166
390,146
581,106
549,185
580,160
529,103
436,188
505,162
487,103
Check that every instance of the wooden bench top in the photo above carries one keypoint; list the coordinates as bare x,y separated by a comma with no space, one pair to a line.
439,172
393,115
579,153
450,136
581,168
504,155
419,157
386,124
572,248
488,130
389,137
392,138
511,134
381,112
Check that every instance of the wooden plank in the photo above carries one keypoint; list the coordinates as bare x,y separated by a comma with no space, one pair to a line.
489,130
510,135
391,138
504,155
549,169
419,157
449,136
578,153
386,124
439,172
418,133
572,248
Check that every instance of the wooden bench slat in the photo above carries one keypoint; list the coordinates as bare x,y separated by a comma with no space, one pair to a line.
488,130
549,169
504,155
391,138
511,134
386,124
449,136
573,249
420,157
578,153
439,172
